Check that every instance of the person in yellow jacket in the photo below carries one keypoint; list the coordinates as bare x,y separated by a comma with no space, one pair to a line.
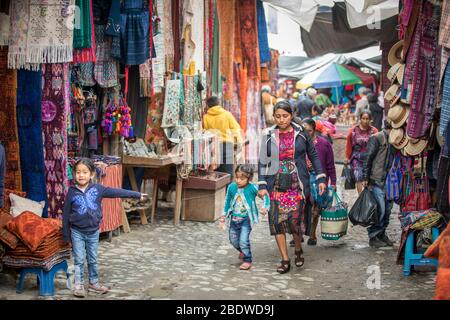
222,123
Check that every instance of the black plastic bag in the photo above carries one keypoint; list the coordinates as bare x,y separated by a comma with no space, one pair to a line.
364,211
349,175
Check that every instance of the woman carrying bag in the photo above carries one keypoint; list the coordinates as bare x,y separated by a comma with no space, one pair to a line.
284,176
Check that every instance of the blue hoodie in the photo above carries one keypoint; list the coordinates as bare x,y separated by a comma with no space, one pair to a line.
83,210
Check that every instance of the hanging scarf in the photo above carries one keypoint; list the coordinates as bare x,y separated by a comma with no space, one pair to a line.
4,28
82,37
176,34
87,54
29,122
171,116
49,39
263,41
154,133
216,84
8,124
55,107
168,35
249,36
254,123
227,18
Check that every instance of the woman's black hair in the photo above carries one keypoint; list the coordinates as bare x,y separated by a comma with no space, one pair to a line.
366,111
285,106
87,162
246,169
318,108
310,122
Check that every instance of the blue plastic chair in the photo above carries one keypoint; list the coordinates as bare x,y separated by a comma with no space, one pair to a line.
45,278
417,258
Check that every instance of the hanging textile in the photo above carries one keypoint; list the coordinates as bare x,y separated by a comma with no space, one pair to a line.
176,34
226,10
235,104
29,123
444,29
135,27
254,125
445,108
196,35
208,22
138,104
154,132
113,28
82,37
167,32
4,28
105,67
8,123
87,54
49,39
216,79
422,71
111,208
171,116
249,36
55,107
243,92
264,51
192,101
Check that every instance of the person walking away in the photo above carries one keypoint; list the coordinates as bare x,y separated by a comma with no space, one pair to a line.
81,222
284,176
376,110
323,98
363,103
326,157
304,106
356,146
380,155
241,212
268,101
222,123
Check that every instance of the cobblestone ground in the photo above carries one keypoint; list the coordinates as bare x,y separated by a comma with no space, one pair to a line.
195,261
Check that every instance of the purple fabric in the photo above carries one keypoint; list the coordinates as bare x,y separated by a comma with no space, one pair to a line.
326,157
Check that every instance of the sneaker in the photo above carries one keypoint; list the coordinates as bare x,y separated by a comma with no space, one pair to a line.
97,288
79,291
376,243
292,243
383,237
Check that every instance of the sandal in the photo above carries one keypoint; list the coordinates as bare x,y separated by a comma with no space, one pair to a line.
299,259
245,266
284,267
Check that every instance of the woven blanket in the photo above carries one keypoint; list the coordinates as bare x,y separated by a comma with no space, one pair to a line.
227,18
49,247
111,208
8,123
55,106
50,35
154,133
30,262
87,54
82,34
249,37
29,122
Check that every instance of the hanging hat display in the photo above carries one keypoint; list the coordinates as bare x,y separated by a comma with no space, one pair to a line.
393,94
398,115
398,139
415,146
396,53
396,72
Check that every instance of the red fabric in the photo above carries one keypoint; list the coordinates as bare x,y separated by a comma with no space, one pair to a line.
367,79
32,229
112,208
249,36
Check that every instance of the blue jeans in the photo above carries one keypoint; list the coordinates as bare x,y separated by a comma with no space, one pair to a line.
384,212
82,244
240,229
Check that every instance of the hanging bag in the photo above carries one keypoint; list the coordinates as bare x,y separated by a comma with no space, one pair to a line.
394,181
334,220
349,175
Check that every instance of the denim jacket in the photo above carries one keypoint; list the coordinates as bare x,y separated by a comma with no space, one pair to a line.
269,162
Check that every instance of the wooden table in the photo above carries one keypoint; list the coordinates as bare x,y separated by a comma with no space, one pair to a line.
129,163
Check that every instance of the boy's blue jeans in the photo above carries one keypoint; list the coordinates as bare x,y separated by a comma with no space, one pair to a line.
82,244
384,212
240,229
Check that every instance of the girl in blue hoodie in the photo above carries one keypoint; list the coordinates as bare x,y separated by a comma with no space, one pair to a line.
240,211
81,222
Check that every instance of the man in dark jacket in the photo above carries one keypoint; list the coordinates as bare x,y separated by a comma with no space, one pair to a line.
304,107
2,173
379,160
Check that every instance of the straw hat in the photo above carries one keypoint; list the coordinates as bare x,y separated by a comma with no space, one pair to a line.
393,94
396,53
415,146
398,138
396,73
398,115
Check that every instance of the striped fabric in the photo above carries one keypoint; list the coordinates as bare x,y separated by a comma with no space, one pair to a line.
393,180
444,32
112,208
445,111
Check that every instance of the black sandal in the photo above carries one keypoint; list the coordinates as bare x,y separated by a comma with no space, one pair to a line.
284,267
299,259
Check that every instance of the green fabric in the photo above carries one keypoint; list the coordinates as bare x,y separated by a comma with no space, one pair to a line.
323,100
334,220
216,83
347,77
82,36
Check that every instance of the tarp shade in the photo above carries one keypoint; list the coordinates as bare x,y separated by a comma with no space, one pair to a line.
367,79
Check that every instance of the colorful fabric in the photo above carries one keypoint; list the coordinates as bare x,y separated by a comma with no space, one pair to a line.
8,123
135,47
249,37
111,208
424,58
87,54
50,246
286,209
29,122
82,37
31,229
445,107
171,116
254,119
55,107
263,41
31,262
408,219
154,132
444,28
356,149
226,15
167,31
49,40
239,208
4,29
105,68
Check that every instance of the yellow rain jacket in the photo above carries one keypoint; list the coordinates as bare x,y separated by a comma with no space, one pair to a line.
220,120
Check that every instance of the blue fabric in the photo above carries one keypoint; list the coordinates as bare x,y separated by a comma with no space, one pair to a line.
264,50
82,245
240,229
445,111
29,124
384,208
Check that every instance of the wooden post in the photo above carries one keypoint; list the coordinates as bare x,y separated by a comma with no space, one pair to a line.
154,198
178,191
134,186
125,224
